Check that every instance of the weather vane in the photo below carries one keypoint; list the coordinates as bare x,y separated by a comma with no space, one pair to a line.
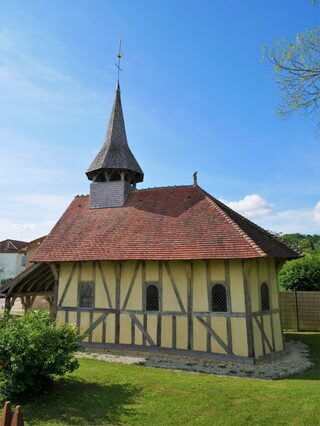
119,56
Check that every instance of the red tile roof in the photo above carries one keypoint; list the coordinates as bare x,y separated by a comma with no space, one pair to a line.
182,222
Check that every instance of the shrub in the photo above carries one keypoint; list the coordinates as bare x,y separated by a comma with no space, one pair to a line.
301,274
33,352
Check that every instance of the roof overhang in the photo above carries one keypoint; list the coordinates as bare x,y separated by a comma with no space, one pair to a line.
36,280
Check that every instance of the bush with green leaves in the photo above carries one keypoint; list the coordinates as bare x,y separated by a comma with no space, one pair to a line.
301,274
34,351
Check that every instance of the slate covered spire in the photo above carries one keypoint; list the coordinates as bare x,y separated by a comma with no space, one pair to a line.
115,157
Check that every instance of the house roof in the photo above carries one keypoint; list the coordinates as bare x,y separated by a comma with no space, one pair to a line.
35,242
182,222
12,246
115,152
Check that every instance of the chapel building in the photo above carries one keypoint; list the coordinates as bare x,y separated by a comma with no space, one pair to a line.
169,269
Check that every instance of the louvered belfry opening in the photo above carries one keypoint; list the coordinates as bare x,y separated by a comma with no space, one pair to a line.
114,172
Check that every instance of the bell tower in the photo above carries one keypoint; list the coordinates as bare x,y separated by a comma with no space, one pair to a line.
115,171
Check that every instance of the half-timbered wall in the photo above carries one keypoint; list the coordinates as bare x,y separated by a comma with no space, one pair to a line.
184,321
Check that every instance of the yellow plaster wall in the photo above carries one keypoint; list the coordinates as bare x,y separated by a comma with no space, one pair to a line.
182,333
253,285
84,323
138,340
152,327
135,299
267,330
87,271
166,331
257,339
108,270
217,270
71,295
152,270
170,302
60,317
277,332
200,292
236,286
179,274
101,300
97,332
219,325
239,336
125,329
110,324
73,318
273,285
199,336
265,272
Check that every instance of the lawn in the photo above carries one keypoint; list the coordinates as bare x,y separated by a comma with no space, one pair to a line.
101,393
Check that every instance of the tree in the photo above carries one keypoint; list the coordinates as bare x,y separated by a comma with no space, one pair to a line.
301,274
297,69
305,243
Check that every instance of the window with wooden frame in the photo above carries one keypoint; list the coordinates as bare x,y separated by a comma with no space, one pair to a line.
86,295
265,298
152,296
218,298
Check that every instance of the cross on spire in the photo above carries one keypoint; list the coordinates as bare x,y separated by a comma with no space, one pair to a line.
119,56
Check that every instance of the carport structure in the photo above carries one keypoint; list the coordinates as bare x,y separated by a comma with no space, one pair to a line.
38,280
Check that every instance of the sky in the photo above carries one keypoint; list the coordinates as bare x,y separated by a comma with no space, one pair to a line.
195,93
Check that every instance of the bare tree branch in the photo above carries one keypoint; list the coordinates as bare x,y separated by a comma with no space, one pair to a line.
297,72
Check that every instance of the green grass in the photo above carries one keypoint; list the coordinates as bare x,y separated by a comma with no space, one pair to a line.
101,393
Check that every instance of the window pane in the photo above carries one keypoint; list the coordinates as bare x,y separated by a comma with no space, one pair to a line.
218,298
265,303
86,295
152,298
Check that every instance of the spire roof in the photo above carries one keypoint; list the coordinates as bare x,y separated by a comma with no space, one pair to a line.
115,152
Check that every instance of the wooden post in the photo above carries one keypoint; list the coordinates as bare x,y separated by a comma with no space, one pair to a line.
7,414
54,308
297,311
17,419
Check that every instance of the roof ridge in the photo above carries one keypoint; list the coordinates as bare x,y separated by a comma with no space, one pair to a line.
163,187
233,223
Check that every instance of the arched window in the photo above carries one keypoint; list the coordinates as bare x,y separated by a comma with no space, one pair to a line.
218,298
265,301
152,298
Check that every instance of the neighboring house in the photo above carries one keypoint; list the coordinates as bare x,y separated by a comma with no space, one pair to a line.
168,269
12,259
31,248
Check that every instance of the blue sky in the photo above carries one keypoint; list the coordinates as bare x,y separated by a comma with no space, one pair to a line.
195,95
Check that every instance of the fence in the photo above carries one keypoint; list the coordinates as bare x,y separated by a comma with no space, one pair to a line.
300,310
12,419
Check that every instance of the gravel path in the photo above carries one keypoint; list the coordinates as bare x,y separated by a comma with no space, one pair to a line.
294,360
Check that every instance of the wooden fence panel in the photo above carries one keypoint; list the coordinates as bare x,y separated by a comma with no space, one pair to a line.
300,310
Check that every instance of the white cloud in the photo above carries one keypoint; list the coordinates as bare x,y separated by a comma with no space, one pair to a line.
250,206
24,231
265,214
316,213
